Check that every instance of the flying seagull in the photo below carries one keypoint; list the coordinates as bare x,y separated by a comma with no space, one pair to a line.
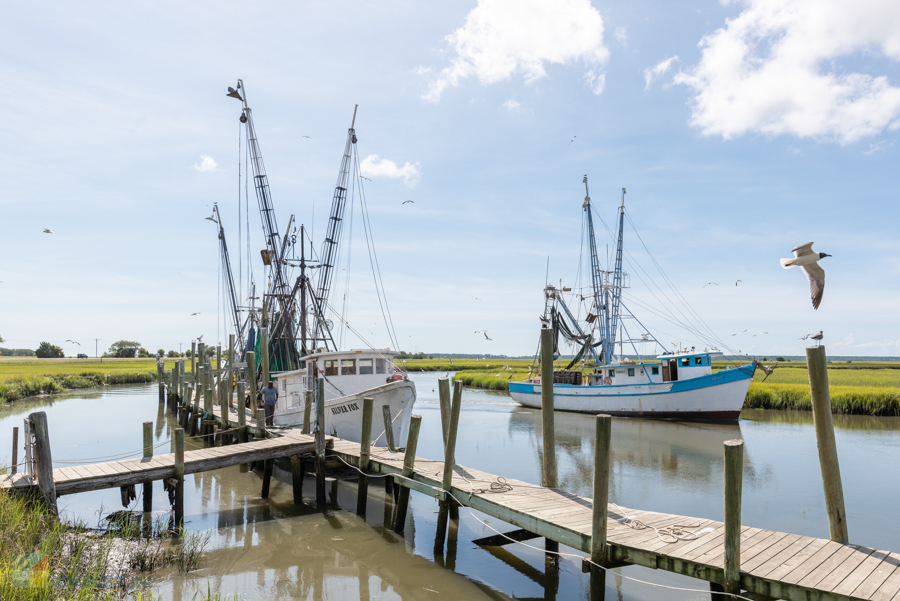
736,283
767,370
365,178
47,231
739,333
408,201
485,334
760,333
572,140
197,313
74,342
310,137
808,261
475,297
709,284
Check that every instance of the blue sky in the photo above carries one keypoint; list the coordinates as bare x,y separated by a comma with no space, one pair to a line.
775,125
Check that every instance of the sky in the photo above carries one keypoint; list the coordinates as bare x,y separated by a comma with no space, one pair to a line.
739,130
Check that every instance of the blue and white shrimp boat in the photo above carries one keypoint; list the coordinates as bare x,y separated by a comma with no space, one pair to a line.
680,384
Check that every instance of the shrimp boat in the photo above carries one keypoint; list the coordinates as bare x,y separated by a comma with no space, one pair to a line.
679,384
293,328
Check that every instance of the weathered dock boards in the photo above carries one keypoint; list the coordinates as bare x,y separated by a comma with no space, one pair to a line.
70,480
775,564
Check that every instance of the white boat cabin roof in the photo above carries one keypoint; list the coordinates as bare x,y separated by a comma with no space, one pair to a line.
351,354
688,353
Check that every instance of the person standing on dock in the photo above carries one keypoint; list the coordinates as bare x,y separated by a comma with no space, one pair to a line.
270,397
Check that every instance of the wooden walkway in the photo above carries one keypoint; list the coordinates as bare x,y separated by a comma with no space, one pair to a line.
114,474
774,564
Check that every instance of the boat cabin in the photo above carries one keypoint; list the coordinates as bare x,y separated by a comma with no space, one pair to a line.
671,367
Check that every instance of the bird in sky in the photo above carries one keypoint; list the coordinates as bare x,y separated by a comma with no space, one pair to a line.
572,140
767,370
197,313
310,137
805,337
709,284
817,337
475,297
485,334
48,231
211,218
200,338
365,178
760,333
408,201
808,261
736,283
74,342
739,333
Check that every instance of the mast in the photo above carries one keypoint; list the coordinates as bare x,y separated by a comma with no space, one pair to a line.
335,223
617,276
597,280
231,292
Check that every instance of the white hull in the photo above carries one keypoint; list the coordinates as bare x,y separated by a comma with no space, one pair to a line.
343,415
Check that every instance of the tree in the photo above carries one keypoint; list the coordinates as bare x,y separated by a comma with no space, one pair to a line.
1,339
172,354
49,351
143,353
124,348
161,353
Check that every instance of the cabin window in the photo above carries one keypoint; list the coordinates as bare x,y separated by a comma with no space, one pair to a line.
686,362
655,371
380,366
366,367
612,373
331,367
698,361
348,367
631,372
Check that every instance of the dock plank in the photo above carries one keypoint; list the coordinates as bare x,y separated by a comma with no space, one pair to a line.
878,577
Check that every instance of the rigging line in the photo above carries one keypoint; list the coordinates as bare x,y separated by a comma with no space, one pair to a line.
642,325
240,249
674,288
650,309
349,258
364,341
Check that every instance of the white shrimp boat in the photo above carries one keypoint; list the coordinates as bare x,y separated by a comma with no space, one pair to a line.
678,385
349,377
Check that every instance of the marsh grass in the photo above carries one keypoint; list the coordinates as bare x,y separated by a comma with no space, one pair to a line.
20,387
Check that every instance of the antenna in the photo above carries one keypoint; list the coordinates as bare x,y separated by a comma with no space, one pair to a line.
547,276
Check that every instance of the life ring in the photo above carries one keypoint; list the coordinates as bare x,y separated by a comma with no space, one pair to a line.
607,380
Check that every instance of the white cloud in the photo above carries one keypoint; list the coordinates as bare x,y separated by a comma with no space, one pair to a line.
512,106
621,35
207,163
658,71
596,82
372,166
503,37
780,68
880,145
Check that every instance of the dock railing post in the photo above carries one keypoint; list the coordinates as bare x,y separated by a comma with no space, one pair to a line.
201,355
230,392
148,452
194,361
599,549
15,450
365,439
449,464
734,470
179,477
444,396
409,464
828,457
160,378
43,459
320,442
548,430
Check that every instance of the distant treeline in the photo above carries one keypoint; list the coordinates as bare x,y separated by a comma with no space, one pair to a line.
16,352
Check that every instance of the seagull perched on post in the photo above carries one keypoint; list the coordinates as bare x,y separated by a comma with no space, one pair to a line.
808,261
817,337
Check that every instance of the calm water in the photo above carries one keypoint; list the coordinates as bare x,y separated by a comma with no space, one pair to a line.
274,550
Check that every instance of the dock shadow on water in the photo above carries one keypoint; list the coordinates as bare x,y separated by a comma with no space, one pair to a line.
273,549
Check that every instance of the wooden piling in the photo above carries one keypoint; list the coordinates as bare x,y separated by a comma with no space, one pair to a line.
320,442
194,361
201,354
828,457
602,459
365,439
264,349
388,427
207,392
548,465
409,461
449,464
298,472
15,450
269,465
241,406
229,392
179,477
161,381
734,470
148,452
43,459
307,409
444,396
251,380
223,406
218,356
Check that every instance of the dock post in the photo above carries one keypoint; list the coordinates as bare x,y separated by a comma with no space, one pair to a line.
599,550
15,450
307,409
241,406
444,396
449,464
194,361
548,429
409,463
160,379
320,442
268,466
43,459
201,354
828,456
734,471
251,380
179,477
223,405
298,472
207,390
264,348
148,452
365,439
218,356
230,391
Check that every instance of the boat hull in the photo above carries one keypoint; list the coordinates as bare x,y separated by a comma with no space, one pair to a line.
716,396
343,415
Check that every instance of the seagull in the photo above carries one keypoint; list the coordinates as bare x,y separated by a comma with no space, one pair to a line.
760,333
808,261
74,342
475,297
767,370
408,201
365,178
46,231
310,137
736,283
211,218
739,333
200,338
451,362
485,334
709,283
197,313
572,140
817,337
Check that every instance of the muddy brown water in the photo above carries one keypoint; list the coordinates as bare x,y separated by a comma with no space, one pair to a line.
272,549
